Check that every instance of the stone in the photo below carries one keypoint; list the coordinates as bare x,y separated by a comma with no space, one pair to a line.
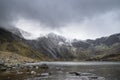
44,74
33,72
93,77
3,67
87,74
59,69
44,66
75,73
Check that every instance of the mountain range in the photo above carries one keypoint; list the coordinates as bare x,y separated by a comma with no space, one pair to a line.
54,47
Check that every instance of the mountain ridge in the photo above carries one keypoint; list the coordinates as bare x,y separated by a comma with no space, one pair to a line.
56,47
13,44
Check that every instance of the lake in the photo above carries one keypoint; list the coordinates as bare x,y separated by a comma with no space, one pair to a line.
78,71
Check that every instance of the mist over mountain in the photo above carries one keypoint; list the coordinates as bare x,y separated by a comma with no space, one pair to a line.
70,30
14,50
81,19
56,47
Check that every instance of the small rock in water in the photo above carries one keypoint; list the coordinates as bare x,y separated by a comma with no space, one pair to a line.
3,67
87,74
45,74
96,78
33,72
75,73
101,78
93,77
37,67
44,66
59,68
19,72
84,78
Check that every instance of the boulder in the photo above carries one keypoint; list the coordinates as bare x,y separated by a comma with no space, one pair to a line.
3,67
44,66
44,74
33,72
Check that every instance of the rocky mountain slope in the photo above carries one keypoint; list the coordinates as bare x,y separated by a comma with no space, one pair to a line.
13,44
60,48
56,47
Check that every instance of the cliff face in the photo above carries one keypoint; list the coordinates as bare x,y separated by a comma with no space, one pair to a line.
60,48
55,47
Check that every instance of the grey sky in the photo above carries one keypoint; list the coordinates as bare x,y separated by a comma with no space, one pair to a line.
72,18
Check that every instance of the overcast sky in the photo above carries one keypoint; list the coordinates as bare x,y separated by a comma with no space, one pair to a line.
81,19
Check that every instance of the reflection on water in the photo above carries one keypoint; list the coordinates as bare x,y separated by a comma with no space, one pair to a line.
103,70
78,71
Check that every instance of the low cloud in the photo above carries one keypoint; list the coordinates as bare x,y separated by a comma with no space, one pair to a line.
76,18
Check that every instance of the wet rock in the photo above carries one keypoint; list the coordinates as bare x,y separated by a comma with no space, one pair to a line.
1,61
36,67
44,74
3,67
101,78
93,77
33,72
19,72
59,68
75,73
96,78
13,67
44,66
84,78
82,74
87,74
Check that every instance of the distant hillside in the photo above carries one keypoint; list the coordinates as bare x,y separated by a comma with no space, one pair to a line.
13,44
60,48
56,47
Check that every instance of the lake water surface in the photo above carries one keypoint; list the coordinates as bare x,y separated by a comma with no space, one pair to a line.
63,70
78,71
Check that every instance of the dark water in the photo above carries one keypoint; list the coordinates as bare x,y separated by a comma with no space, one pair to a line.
104,70
87,70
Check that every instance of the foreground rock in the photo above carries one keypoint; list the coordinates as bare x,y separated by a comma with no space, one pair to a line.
83,76
67,76
21,71
3,67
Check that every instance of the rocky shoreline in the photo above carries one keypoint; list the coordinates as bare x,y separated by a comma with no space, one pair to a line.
9,72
